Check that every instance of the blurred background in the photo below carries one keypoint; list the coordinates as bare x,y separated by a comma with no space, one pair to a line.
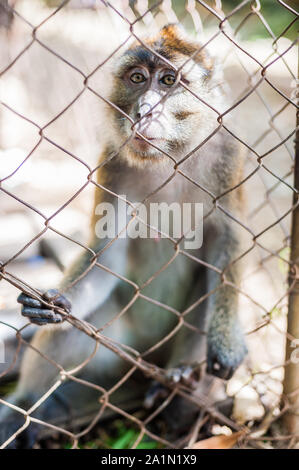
50,123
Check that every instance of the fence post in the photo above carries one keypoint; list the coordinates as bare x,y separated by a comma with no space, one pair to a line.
291,379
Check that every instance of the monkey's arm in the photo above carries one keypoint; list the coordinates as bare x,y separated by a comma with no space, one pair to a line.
82,294
226,345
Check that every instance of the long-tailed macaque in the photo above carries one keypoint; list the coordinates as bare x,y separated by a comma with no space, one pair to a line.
164,92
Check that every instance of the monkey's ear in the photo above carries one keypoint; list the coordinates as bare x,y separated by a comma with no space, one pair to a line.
176,39
173,29
175,32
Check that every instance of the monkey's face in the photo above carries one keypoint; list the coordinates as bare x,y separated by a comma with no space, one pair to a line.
161,100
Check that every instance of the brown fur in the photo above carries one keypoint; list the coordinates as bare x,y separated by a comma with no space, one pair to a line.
182,115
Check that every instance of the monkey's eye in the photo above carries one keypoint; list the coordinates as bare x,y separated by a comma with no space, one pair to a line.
137,77
168,80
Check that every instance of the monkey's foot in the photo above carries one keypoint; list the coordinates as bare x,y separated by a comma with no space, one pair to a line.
11,424
23,440
188,375
36,312
223,359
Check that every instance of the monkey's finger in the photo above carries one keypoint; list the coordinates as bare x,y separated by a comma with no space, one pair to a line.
39,321
53,295
26,300
41,314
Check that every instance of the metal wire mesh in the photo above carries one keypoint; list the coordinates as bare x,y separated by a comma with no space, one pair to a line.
270,167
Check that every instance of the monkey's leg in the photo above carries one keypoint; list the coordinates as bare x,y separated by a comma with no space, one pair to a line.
38,375
67,348
186,366
187,349
226,344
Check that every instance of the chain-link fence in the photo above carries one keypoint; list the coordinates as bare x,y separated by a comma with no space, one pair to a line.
54,68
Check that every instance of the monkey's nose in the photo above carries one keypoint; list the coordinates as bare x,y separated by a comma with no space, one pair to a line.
148,114
144,110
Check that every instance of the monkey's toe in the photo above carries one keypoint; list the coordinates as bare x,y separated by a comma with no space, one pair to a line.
186,374
183,374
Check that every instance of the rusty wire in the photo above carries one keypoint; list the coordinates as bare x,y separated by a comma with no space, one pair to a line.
141,12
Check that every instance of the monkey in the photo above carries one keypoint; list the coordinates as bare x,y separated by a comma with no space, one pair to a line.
6,14
163,144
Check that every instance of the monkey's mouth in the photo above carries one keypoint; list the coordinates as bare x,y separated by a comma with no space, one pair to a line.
141,144
143,139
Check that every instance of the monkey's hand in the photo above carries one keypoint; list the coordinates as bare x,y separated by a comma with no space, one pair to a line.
184,374
226,351
38,314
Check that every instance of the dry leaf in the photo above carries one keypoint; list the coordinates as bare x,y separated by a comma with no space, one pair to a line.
219,442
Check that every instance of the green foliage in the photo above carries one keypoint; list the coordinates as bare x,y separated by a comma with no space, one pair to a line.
285,254
119,435
275,313
125,438
277,17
